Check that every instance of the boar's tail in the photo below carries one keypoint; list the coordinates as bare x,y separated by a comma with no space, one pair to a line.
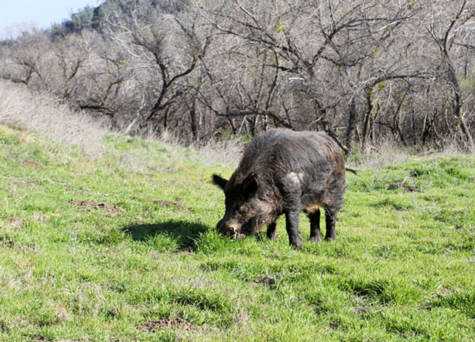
351,170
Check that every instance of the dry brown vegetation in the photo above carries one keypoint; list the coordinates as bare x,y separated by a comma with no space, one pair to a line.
367,72
22,108
44,114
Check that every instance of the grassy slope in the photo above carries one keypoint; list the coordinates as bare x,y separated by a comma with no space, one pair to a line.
402,265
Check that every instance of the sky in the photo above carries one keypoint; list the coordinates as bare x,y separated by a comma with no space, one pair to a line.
17,16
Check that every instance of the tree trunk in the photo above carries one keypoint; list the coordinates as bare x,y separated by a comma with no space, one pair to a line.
458,105
351,124
367,118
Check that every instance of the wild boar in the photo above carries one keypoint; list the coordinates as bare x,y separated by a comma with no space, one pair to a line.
284,172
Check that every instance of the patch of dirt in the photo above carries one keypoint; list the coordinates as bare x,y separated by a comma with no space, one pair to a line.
20,182
361,309
442,292
266,280
407,188
6,242
168,323
91,204
20,185
15,222
172,169
334,325
168,204
4,327
34,164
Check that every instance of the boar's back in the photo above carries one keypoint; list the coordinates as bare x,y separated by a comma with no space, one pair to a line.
313,157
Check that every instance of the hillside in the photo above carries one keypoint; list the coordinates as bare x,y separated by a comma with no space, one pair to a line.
96,17
366,72
100,249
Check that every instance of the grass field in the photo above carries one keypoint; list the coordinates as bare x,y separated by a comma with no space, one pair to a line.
104,250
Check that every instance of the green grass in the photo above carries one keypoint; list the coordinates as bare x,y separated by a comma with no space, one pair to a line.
402,267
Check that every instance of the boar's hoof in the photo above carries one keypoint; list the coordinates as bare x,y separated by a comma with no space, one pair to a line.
297,243
315,239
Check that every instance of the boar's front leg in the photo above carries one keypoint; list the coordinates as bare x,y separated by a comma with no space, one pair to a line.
272,230
292,226
315,234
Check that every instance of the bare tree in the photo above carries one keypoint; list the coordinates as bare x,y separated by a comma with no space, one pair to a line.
446,38
164,51
360,70
326,53
25,60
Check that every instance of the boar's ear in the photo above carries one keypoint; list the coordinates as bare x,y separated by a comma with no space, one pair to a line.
219,181
249,185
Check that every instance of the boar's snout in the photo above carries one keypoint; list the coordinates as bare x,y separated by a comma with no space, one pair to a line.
230,228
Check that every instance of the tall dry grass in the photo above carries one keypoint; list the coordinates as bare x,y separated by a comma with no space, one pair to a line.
391,153
44,114
387,154
226,151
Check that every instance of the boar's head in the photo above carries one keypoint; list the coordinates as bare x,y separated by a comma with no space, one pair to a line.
246,210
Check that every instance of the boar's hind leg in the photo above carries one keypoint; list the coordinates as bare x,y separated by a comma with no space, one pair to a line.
272,230
330,219
292,226
315,234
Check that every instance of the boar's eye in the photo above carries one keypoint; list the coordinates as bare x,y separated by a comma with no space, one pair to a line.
243,209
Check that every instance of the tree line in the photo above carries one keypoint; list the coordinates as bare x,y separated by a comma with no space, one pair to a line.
364,71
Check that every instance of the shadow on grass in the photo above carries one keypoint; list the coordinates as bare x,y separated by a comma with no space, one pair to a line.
184,233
